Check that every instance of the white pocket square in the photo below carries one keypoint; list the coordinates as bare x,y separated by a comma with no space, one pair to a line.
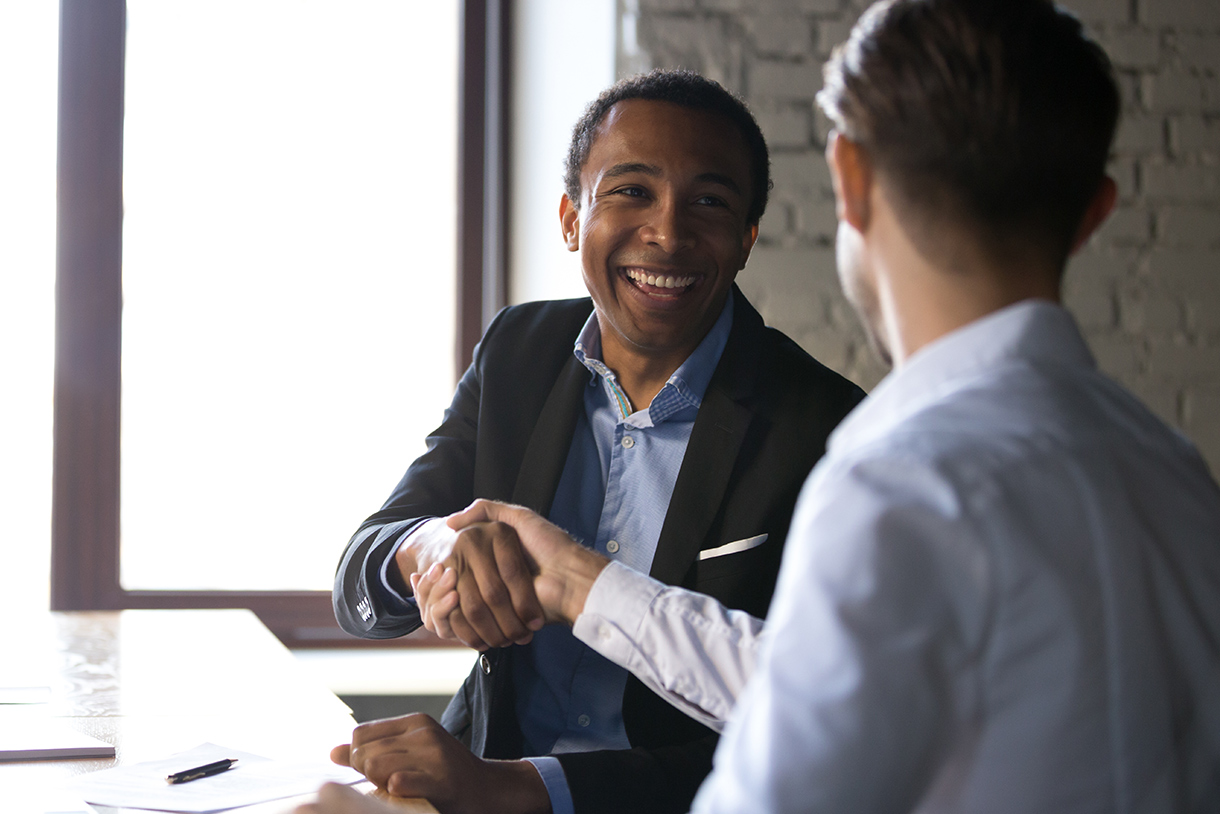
733,547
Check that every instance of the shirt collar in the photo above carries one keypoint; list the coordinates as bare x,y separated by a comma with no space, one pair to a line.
1036,332
689,381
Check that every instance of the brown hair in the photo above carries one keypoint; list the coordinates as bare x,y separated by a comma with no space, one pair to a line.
996,113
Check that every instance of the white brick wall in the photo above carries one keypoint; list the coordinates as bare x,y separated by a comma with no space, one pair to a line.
1147,287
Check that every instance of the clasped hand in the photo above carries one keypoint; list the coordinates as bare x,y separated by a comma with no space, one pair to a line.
508,572
490,574
496,573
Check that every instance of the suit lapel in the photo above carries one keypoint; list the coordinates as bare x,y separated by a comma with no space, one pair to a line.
547,452
715,442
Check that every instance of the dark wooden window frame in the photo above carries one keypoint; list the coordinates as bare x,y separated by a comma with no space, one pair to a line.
85,499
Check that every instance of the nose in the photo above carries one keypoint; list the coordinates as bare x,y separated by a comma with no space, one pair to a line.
668,227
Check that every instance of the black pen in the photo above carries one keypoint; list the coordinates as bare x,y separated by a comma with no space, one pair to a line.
207,770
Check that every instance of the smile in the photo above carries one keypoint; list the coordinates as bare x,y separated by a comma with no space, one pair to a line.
654,280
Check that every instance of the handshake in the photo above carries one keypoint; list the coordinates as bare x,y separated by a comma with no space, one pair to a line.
492,574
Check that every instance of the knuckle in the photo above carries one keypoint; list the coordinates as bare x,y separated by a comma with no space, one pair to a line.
496,594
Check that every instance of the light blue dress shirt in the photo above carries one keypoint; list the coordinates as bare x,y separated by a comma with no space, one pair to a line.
613,497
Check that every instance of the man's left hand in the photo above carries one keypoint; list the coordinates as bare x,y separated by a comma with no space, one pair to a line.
413,756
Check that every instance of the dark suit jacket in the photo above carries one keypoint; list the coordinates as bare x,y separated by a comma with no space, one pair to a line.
761,427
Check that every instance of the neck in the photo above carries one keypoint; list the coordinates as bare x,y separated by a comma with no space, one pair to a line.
641,375
920,299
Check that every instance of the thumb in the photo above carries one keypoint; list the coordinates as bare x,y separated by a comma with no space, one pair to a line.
483,511
342,755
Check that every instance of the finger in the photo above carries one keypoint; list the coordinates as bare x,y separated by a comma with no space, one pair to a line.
379,748
518,578
342,754
372,731
474,624
426,587
492,614
440,599
486,550
445,598
421,600
440,612
463,632
421,589
442,627
434,583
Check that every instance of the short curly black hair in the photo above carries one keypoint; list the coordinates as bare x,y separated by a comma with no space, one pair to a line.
679,87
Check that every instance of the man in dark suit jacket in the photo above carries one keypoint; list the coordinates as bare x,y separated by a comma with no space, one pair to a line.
667,180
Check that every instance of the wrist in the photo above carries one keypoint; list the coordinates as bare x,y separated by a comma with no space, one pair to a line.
521,788
580,569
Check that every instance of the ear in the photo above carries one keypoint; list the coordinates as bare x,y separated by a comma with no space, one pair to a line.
747,243
1099,209
569,219
851,172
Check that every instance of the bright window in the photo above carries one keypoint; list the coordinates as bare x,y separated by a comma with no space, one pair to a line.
29,39
288,279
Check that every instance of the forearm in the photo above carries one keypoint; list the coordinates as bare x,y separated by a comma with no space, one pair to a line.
684,646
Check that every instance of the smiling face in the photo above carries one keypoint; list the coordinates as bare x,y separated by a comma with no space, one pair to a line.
661,227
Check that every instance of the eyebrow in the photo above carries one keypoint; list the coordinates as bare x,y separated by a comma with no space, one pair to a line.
652,171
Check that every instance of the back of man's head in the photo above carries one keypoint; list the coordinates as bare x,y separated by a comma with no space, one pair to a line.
679,87
993,115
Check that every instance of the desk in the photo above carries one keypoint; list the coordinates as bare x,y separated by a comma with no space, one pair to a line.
154,682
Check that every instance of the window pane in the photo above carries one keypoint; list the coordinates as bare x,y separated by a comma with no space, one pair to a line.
288,278
29,47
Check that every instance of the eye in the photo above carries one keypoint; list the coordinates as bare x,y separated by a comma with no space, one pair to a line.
710,200
630,192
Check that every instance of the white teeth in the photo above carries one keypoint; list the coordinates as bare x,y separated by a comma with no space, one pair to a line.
660,280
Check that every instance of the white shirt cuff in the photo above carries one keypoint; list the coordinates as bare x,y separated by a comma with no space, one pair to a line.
684,646
615,608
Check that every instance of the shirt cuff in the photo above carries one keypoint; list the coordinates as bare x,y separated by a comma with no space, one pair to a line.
615,608
556,782
393,589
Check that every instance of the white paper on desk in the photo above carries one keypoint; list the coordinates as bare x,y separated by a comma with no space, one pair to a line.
254,779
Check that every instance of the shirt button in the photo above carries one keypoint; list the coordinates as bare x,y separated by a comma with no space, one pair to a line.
612,546
485,665
584,720
628,442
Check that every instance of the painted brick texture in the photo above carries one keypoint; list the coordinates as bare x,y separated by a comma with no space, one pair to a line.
1146,289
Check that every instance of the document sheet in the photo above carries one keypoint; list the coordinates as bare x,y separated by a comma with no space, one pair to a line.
254,779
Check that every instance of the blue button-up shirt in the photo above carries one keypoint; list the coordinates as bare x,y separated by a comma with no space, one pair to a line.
613,497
